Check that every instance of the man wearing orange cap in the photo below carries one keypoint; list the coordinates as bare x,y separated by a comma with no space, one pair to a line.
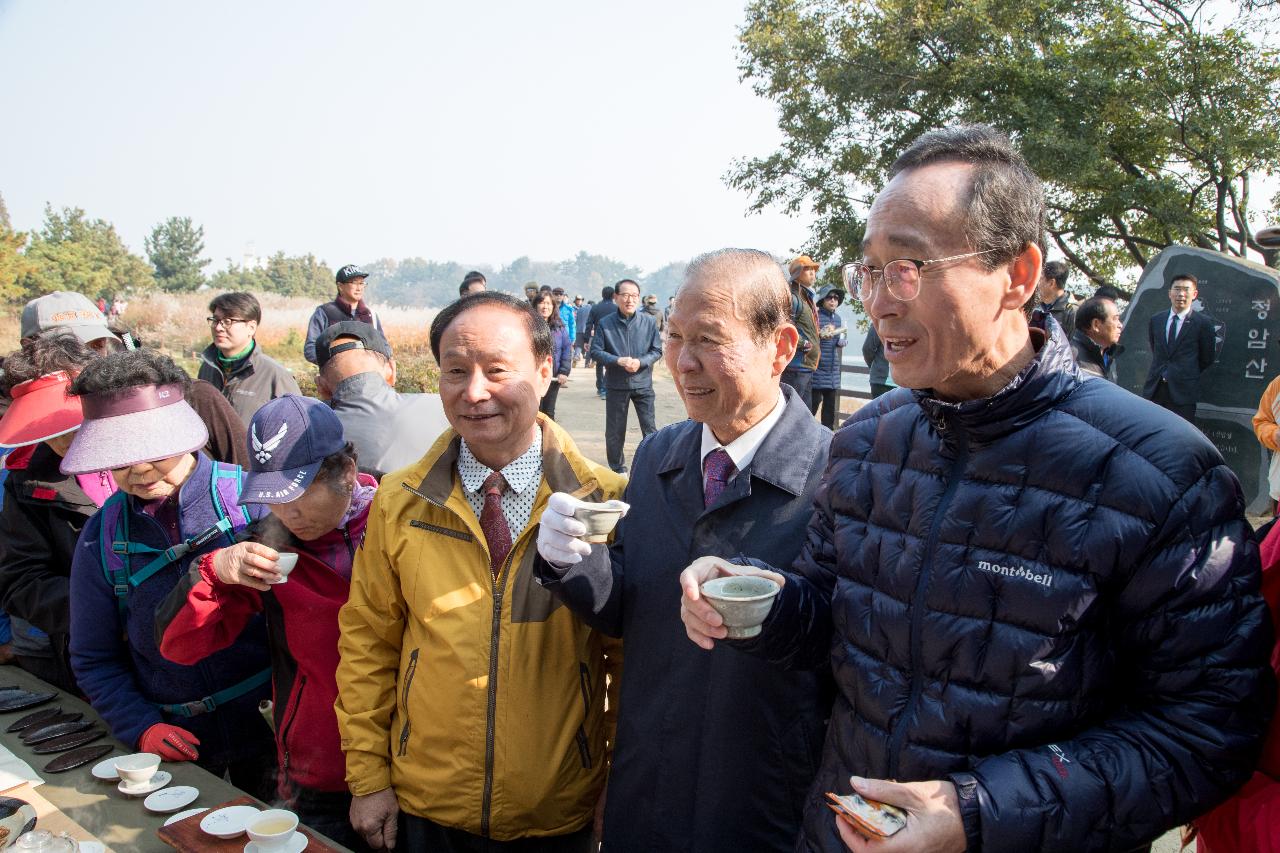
804,314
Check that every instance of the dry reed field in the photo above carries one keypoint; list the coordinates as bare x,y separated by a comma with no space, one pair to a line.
175,324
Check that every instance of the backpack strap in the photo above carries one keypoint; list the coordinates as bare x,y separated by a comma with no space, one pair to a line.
224,488
113,538
203,706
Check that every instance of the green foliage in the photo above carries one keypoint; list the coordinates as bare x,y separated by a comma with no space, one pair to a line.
174,249
417,373
1147,124
72,252
664,281
13,263
301,275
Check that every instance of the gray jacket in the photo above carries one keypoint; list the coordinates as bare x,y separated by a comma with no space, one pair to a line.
873,355
259,379
390,430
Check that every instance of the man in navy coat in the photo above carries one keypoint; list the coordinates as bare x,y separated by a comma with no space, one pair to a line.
1182,347
714,749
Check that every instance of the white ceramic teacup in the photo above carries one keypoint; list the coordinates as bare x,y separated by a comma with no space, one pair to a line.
284,564
138,769
273,829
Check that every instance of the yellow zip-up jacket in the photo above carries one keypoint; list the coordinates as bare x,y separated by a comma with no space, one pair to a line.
480,701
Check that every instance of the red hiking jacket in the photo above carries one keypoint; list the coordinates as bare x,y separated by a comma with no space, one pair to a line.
204,615
1250,820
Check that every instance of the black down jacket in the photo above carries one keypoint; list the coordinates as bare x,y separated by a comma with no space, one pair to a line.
44,512
1049,596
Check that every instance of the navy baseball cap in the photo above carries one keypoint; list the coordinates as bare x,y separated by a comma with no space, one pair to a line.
289,438
349,272
366,337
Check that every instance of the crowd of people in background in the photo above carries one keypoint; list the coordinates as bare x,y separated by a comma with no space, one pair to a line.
1015,601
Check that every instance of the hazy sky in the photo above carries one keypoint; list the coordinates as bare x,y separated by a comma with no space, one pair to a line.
475,132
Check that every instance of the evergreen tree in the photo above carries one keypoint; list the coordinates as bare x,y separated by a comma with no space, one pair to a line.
174,248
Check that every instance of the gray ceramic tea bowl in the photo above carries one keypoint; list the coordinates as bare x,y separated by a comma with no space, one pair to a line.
743,601
599,518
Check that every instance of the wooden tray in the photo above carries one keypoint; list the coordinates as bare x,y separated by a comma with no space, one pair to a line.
187,835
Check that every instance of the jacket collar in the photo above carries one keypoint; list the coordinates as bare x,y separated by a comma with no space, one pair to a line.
210,357
775,460
1049,377
1061,302
368,386
41,475
1088,344
194,492
193,496
558,469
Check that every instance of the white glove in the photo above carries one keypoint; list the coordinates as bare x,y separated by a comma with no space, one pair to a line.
560,534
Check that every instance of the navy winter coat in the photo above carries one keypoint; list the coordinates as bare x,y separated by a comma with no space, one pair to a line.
118,663
1049,596
561,351
715,750
828,373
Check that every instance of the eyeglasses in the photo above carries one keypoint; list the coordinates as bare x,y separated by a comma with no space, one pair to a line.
901,277
224,322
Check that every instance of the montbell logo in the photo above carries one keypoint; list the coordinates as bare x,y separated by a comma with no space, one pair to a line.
1044,579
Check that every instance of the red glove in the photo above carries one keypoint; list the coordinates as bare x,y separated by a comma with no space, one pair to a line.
170,743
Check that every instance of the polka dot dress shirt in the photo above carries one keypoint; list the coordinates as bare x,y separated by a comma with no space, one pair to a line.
523,474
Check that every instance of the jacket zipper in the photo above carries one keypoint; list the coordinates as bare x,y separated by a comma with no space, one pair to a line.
288,726
899,731
404,701
499,589
584,745
346,537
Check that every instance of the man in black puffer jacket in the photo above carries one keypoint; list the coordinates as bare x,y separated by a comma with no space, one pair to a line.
1038,595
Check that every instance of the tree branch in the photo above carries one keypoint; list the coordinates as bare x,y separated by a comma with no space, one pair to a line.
1129,242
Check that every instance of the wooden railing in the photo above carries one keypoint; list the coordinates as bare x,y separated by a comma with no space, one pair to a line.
849,392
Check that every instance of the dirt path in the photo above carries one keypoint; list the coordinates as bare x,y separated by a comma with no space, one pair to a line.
581,412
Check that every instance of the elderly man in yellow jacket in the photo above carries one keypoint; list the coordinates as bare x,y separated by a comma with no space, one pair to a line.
470,701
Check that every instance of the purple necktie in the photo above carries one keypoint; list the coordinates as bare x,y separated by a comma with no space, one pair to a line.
494,523
716,467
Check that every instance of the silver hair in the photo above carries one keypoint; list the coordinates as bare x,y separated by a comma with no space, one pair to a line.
759,286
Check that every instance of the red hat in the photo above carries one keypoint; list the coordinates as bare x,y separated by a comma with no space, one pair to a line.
42,409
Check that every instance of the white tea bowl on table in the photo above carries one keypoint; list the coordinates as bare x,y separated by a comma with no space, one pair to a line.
273,829
137,770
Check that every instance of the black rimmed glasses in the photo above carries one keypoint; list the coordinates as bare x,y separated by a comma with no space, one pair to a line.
224,322
901,276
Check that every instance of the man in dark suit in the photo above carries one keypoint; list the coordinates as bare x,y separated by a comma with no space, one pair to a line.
1182,347
599,311
715,750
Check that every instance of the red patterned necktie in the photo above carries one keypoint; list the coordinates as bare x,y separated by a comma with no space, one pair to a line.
716,467
494,523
